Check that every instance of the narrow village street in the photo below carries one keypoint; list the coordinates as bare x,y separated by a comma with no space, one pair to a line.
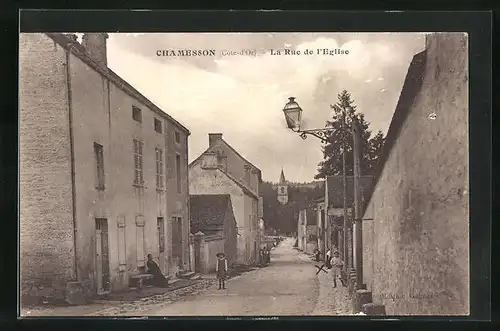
127,211
288,286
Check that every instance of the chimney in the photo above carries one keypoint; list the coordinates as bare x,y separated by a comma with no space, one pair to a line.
95,45
73,42
213,137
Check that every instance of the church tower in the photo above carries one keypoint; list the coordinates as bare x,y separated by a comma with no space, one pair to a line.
282,189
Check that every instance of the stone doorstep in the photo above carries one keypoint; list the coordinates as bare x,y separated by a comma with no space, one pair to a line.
186,275
167,291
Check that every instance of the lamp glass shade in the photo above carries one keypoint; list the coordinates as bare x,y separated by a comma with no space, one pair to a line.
293,114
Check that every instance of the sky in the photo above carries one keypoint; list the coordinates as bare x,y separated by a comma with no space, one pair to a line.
242,96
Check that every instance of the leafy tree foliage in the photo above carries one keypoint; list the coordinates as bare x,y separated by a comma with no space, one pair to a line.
341,136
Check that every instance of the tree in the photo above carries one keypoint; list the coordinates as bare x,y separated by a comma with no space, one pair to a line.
339,137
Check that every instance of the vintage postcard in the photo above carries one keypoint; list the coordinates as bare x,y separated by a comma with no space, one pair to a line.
244,174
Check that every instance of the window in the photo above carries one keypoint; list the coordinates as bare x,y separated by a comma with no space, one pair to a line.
99,157
161,234
141,258
177,137
158,127
138,174
178,172
220,161
137,114
159,169
282,190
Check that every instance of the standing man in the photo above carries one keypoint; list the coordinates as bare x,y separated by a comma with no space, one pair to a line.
221,269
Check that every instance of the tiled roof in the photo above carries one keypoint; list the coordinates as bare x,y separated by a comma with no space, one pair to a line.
208,211
335,186
411,87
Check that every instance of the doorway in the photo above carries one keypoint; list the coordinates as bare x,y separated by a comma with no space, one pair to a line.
255,252
160,226
102,256
176,239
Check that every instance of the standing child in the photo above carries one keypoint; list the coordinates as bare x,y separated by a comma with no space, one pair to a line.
221,269
337,265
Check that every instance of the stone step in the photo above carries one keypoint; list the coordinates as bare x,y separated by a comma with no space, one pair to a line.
195,276
186,275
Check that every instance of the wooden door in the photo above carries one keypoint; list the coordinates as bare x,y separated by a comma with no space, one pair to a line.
176,237
255,252
161,243
102,256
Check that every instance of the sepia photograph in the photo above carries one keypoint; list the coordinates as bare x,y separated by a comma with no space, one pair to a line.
244,174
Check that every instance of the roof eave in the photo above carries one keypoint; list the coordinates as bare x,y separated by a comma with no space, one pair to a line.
65,42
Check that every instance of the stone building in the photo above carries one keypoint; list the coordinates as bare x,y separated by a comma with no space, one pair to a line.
222,170
103,172
416,247
334,206
307,230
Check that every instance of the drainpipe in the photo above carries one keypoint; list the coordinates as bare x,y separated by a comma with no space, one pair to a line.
73,189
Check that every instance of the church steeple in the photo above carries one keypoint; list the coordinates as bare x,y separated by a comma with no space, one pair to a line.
282,178
282,189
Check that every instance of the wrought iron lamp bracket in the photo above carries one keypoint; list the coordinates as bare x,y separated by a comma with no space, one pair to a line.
322,134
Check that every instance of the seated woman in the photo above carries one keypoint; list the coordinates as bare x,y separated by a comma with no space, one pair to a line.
158,280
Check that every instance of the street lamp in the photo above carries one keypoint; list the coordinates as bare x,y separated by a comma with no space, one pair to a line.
293,117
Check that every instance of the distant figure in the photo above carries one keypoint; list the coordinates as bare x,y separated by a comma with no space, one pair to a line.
328,258
337,264
221,269
158,278
317,255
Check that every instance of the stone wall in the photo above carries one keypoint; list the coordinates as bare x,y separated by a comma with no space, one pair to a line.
46,208
416,248
213,245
